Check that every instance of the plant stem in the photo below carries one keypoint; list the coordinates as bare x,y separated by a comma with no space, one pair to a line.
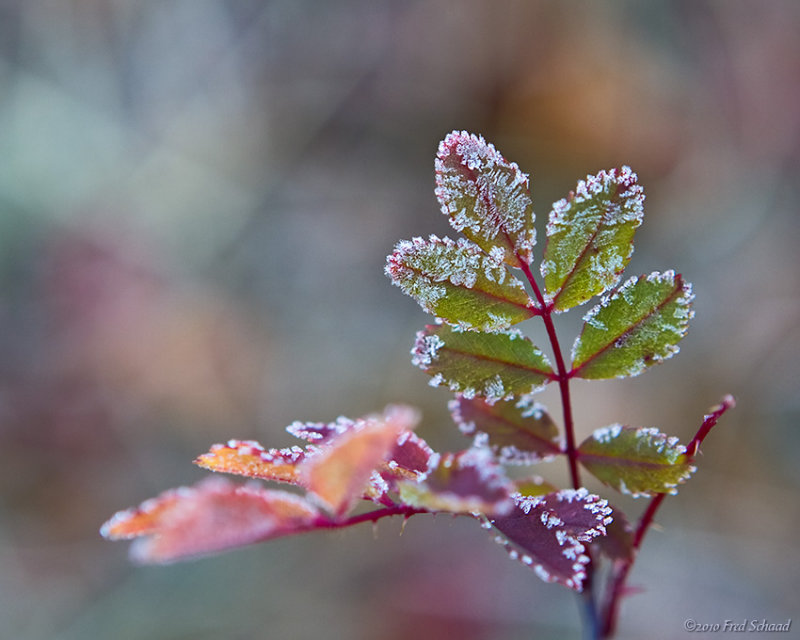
562,376
324,522
587,602
620,575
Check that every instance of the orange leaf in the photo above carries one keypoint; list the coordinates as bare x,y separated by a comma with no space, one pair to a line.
248,458
141,520
338,474
212,516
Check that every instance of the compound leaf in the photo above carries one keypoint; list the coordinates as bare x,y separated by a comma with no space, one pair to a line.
491,365
518,430
637,326
590,237
465,482
486,197
459,282
212,516
547,533
639,461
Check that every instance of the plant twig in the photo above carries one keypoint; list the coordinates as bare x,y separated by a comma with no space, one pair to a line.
620,575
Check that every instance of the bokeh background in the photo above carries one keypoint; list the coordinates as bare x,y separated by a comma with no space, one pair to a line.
196,201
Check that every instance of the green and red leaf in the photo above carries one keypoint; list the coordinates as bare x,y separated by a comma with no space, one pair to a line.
491,365
213,516
640,461
519,431
547,533
590,237
460,283
637,326
467,482
486,197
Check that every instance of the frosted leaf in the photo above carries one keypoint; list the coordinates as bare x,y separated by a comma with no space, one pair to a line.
617,544
213,516
640,461
142,520
410,459
338,474
248,458
637,326
490,365
486,197
590,237
320,432
548,532
459,282
519,431
468,482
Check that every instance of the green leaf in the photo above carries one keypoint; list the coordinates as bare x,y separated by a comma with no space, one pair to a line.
486,197
636,460
637,326
459,282
531,486
590,237
518,431
491,365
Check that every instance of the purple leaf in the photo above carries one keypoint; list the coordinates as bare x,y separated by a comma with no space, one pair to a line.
547,533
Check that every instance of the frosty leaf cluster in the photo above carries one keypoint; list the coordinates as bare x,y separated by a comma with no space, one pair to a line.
478,287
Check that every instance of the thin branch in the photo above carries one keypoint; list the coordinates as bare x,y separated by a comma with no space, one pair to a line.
620,576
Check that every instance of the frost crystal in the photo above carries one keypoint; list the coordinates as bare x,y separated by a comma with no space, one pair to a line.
459,282
425,349
607,434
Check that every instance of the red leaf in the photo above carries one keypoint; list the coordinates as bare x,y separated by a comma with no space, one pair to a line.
617,544
410,459
212,516
547,532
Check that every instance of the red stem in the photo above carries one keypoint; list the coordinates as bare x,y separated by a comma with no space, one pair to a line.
562,375
371,516
620,575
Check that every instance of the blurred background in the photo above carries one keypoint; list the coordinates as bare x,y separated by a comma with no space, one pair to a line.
196,202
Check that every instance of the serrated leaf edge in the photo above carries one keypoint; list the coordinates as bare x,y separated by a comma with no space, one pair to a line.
592,185
611,432
682,292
